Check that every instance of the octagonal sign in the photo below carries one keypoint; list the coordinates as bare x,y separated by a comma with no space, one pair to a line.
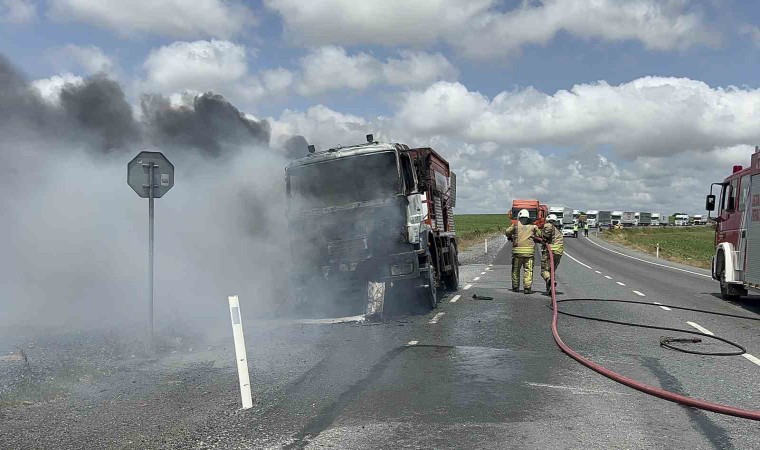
138,171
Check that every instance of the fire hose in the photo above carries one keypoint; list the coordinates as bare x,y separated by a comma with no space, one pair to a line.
648,389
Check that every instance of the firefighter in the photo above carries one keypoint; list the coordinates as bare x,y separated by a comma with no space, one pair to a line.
575,229
522,236
552,237
585,229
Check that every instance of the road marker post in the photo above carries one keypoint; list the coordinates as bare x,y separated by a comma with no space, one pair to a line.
658,251
486,244
240,355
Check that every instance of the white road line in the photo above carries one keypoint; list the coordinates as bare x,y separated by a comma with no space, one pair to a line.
622,284
700,328
476,279
752,358
454,299
608,277
412,342
482,273
436,317
648,262
663,307
584,265
598,272
467,287
639,294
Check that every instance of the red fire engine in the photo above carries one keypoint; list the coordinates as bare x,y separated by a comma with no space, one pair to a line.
736,263
538,213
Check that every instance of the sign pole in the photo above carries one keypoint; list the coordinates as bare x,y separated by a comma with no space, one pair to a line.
151,167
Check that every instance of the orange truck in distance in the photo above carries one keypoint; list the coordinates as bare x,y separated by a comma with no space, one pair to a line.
537,211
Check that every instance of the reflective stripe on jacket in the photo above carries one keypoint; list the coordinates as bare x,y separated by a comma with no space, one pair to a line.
522,239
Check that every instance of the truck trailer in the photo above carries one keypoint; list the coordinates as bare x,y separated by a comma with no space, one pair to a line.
645,219
628,219
374,212
604,219
736,262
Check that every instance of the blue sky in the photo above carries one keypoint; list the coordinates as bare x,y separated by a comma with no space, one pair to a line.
526,52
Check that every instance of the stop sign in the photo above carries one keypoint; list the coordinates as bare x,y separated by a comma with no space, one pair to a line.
138,172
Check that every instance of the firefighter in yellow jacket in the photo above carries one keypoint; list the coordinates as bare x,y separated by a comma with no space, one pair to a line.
523,250
552,237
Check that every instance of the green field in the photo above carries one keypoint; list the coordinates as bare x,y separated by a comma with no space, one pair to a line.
688,245
472,228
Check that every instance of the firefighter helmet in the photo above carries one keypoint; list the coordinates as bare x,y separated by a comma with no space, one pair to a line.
523,214
552,218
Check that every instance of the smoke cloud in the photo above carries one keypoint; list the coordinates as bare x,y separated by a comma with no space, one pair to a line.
75,235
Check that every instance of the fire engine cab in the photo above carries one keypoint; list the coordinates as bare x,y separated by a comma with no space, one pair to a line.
736,263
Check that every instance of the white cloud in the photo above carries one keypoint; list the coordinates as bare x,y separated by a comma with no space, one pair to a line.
482,29
647,116
50,88
90,58
18,11
176,18
331,68
321,125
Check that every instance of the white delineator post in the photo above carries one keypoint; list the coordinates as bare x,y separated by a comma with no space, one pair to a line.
240,355
486,245
658,250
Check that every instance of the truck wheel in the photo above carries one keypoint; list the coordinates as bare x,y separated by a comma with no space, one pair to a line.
428,295
724,293
452,279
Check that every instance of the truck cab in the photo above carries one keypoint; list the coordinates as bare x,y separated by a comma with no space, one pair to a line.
537,212
615,217
736,262
591,216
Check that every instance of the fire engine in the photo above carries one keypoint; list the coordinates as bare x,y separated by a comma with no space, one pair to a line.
736,263
538,212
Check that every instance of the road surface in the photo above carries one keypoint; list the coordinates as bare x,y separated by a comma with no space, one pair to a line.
470,374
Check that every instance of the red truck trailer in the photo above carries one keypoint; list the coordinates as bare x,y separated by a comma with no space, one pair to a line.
736,263
374,212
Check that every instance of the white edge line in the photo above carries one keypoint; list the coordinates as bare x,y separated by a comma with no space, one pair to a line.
752,358
622,284
640,294
467,287
648,262
700,328
436,318
454,299
476,279
584,265
412,343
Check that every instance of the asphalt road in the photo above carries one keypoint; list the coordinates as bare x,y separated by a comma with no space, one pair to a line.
470,374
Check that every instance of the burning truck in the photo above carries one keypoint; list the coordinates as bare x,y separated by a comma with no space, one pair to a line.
371,213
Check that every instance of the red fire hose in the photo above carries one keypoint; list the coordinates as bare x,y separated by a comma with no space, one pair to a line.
651,390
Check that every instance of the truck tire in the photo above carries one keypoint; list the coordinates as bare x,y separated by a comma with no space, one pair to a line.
428,292
452,278
724,288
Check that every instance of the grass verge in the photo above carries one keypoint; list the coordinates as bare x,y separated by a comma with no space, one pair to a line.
474,228
687,245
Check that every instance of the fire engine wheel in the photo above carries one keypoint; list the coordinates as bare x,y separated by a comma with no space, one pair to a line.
724,289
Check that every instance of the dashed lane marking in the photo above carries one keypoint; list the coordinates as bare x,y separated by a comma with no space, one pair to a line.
454,299
476,279
608,277
660,305
482,273
752,358
622,284
410,343
700,328
639,294
436,318
648,262
584,265
598,272
467,287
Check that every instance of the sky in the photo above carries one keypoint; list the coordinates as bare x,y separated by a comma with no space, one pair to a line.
596,104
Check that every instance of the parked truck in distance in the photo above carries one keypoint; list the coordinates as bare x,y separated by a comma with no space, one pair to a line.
604,219
591,216
615,217
736,262
681,220
564,215
374,212
628,219
699,219
645,219
656,219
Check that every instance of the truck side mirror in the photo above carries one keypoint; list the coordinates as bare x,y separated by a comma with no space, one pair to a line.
710,202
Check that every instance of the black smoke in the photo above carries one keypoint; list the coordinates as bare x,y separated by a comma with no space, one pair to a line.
295,147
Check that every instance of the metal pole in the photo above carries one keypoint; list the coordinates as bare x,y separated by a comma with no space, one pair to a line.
150,247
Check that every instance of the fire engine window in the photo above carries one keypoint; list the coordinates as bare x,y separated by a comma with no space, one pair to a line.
744,186
730,195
